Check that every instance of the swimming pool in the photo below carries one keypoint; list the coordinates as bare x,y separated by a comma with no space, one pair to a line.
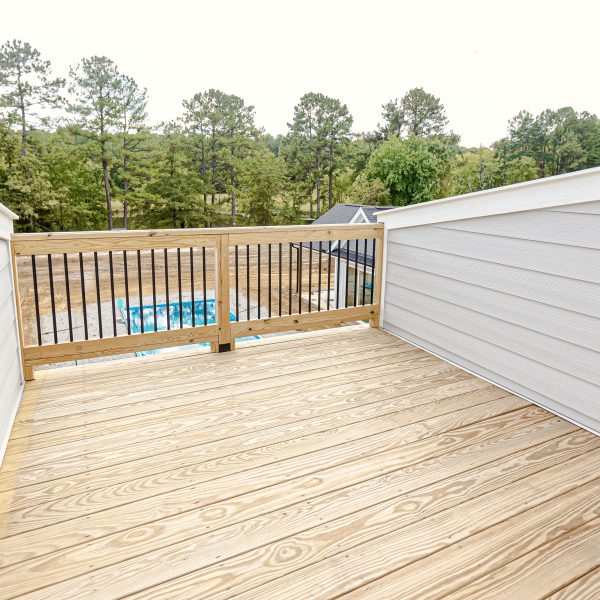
162,323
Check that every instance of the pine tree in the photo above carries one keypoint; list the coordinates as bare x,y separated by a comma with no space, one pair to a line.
96,87
26,86
131,107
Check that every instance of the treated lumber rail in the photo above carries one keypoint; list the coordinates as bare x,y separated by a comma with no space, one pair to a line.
28,244
220,241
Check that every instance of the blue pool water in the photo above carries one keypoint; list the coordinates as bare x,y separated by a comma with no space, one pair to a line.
147,316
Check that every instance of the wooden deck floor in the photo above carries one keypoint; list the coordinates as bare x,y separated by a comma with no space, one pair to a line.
334,464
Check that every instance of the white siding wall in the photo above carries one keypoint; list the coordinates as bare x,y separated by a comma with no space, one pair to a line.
11,377
512,297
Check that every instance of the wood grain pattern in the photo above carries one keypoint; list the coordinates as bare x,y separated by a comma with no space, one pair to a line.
324,525
584,588
343,534
26,244
546,569
332,446
392,551
459,565
218,440
324,319
92,376
65,351
317,466
367,400
222,294
315,396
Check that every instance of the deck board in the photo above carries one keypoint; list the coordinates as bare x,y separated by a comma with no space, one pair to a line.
581,588
338,463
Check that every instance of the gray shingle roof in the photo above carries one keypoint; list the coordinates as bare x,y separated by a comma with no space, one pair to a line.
344,213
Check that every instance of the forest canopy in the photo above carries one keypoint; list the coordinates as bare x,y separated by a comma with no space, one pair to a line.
78,152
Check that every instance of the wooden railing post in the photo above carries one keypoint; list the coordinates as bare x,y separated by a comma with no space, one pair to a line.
378,283
27,369
222,296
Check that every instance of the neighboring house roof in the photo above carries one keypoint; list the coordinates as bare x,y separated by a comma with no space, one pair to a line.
344,214
347,213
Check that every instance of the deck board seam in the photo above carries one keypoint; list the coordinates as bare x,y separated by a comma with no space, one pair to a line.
215,427
462,541
226,381
317,389
397,368
569,583
363,420
327,428
350,484
186,360
224,477
150,381
363,481
567,532
381,501
87,453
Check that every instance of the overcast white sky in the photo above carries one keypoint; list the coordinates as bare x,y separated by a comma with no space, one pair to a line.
486,60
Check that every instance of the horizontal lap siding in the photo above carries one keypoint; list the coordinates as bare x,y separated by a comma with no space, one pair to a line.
10,364
514,298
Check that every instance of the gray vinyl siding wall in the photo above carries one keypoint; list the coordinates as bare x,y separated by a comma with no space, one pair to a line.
515,298
11,382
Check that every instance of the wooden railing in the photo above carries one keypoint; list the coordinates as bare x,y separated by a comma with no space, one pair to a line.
91,294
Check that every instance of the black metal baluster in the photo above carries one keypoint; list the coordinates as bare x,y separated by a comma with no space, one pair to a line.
356,272
237,285
83,305
300,278
192,287
52,301
247,282
153,265
329,274
280,287
204,283
167,289
310,258
258,278
290,281
339,274
364,284
68,291
319,284
269,252
126,279
36,300
112,292
98,303
347,273
373,274
179,288
140,290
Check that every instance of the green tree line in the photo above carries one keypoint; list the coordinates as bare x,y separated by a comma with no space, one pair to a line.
78,152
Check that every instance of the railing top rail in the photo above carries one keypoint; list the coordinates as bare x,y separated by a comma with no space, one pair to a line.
27,244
